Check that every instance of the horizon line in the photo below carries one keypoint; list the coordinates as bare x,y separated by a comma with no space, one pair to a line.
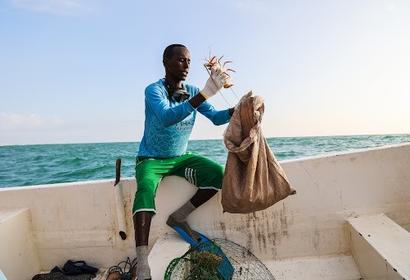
210,139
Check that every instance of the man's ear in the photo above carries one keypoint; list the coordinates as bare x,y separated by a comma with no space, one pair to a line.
165,62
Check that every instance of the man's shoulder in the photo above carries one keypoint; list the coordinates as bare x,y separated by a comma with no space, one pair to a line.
155,86
156,89
160,86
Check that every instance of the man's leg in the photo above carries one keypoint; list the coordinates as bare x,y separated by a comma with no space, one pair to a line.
201,196
148,174
178,218
204,173
142,224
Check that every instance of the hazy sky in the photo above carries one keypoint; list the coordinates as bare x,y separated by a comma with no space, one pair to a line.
75,70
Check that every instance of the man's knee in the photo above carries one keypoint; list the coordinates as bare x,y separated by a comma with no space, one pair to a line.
219,172
144,199
212,179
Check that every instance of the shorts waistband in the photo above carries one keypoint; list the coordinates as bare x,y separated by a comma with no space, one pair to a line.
145,157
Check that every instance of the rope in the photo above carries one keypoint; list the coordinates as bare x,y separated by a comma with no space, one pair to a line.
124,269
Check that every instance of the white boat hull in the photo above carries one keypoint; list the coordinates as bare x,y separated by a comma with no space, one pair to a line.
305,232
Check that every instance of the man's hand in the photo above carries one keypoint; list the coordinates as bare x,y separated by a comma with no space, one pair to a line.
215,82
219,76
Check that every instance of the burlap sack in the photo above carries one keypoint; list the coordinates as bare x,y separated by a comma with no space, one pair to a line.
253,178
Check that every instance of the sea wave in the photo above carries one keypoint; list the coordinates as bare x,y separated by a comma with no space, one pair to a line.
24,165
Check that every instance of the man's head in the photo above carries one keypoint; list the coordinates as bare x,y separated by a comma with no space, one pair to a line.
176,60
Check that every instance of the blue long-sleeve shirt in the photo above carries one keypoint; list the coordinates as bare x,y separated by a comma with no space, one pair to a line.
168,123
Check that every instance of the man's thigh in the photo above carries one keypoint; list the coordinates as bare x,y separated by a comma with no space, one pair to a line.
149,173
200,171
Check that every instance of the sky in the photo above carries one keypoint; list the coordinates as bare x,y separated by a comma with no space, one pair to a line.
74,71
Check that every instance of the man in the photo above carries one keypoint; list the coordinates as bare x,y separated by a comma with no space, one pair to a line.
170,111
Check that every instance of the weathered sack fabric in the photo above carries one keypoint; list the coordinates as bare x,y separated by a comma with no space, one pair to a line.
253,178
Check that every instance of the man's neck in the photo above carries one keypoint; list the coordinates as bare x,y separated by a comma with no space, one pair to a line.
173,83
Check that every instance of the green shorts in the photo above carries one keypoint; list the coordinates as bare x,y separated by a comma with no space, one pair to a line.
198,170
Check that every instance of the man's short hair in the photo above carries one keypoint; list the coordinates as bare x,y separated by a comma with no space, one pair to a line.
169,51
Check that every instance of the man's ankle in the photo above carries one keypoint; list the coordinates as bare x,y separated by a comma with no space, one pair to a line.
143,270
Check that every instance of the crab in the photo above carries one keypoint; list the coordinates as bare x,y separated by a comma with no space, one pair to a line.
215,64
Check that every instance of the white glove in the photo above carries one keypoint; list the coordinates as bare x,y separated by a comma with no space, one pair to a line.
215,82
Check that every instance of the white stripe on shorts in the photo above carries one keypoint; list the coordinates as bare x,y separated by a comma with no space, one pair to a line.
209,187
145,209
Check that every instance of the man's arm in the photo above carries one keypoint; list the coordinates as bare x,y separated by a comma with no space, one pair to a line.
214,83
159,105
216,116
172,115
231,110
197,100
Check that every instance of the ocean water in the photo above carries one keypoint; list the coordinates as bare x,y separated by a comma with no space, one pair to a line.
26,165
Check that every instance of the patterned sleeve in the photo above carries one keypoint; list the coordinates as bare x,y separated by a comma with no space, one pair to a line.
217,117
158,103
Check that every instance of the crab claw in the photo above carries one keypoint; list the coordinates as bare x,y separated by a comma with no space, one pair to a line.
226,62
215,64
211,62
229,69
228,82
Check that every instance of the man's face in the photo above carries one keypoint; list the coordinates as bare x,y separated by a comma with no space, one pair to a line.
178,65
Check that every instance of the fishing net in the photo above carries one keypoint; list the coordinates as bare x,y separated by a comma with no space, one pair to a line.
206,262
